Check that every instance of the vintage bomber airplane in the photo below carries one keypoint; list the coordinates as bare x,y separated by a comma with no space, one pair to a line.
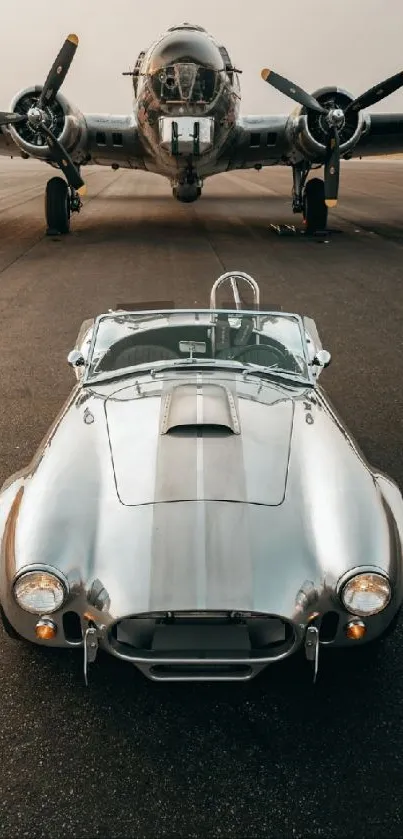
186,126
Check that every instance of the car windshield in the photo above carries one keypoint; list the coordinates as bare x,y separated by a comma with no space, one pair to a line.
125,341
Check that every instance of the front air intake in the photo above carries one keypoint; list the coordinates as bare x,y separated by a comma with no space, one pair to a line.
188,634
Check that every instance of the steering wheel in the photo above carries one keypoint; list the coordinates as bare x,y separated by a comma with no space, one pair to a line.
273,354
126,354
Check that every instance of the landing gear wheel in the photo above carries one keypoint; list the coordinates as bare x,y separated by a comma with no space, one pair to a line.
57,206
314,207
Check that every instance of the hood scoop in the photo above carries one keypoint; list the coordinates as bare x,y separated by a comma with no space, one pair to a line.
191,408
200,442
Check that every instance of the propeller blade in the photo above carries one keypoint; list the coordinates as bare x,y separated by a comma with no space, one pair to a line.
332,168
63,159
58,72
11,118
292,90
377,93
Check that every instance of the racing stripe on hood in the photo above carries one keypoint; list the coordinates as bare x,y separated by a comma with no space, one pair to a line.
199,450
196,563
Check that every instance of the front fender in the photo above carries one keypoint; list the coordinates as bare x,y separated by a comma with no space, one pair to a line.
8,494
394,500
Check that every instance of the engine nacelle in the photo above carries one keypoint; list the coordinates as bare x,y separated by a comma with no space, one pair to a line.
309,128
66,122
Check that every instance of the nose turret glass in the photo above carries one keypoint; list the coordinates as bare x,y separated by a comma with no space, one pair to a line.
185,48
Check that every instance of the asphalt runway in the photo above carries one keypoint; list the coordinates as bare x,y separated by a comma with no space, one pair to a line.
276,757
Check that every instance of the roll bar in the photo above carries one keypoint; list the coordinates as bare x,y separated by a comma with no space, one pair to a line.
232,277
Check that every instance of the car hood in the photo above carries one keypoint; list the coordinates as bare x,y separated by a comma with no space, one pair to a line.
200,440
97,501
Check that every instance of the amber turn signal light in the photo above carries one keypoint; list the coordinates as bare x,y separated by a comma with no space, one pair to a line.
45,629
355,630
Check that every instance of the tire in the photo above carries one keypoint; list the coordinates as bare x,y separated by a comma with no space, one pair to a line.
315,210
57,206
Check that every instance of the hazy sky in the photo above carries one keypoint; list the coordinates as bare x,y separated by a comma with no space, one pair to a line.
352,43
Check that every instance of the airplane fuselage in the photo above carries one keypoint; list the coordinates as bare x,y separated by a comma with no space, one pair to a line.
186,126
187,99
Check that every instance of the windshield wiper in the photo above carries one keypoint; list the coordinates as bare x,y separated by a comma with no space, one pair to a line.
162,366
276,372
116,374
197,364
194,363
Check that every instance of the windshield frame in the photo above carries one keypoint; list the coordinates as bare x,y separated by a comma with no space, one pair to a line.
208,362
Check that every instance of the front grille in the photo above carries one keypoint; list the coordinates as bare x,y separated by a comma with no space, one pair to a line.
179,672
194,636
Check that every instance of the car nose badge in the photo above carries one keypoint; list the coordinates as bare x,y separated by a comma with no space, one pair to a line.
312,648
90,649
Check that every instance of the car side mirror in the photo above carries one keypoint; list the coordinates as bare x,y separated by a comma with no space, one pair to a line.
75,358
322,358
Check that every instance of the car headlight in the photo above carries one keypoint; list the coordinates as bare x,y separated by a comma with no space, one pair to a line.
39,592
366,594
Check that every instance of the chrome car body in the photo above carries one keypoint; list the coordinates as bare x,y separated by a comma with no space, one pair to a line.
204,510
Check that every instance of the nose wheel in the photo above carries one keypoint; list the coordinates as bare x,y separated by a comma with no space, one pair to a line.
60,201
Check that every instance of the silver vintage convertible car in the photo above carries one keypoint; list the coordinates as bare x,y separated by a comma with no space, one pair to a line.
198,508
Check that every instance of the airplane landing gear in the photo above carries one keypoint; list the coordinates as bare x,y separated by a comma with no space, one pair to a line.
60,201
308,198
299,176
57,206
187,192
314,207
188,186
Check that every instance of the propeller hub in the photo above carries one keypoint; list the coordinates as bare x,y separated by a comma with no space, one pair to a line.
36,117
336,118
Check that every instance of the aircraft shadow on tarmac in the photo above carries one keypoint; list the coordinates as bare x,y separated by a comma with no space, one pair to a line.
208,198
153,229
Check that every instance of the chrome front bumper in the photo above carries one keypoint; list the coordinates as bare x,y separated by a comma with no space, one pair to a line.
196,647
180,647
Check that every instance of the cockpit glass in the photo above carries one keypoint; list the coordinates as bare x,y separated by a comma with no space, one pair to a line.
186,83
266,340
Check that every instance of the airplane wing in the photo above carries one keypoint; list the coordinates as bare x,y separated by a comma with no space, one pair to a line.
257,141
274,140
113,141
7,146
383,135
102,139
61,134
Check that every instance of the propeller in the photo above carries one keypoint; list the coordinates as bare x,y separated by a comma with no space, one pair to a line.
334,119
332,167
38,118
58,71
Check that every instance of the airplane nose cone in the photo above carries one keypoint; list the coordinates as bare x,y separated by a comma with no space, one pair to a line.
188,47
